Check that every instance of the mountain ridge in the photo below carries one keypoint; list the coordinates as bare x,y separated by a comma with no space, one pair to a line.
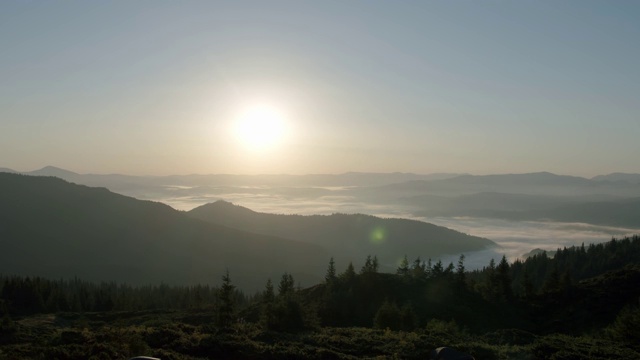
348,237
111,237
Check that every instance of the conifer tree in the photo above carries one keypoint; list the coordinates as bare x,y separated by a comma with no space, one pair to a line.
403,268
331,271
286,286
349,274
268,296
225,302
449,270
460,272
267,318
491,285
368,264
418,270
437,270
527,285
504,279
552,283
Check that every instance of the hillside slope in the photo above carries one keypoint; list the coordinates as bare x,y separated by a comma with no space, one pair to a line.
348,237
54,228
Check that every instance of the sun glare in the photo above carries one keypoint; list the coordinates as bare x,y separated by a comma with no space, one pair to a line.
260,127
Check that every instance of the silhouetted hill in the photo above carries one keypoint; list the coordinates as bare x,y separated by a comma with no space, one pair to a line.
54,228
591,209
622,212
53,171
542,183
344,179
7,170
619,177
479,203
538,251
538,178
348,237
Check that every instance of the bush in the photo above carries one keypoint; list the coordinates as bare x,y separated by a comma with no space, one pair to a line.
626,327
388,316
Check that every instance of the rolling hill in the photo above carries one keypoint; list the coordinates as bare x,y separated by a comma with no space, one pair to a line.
542,183
591,209
348,237
54,228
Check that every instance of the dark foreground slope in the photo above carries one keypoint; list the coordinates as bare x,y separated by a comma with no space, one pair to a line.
411,314
52,228
348,237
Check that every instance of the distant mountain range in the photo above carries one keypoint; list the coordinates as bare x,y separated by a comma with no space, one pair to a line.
619,177
543,183
592,209
351,178
612,199
344,179
54,228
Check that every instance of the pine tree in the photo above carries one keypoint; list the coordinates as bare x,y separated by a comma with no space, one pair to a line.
552,283
267,318
368,264
437,270
268,296
418,268
491,285
349,274
460,272
331,271
403,268
286,286
225,302
449,270
504,279
527,285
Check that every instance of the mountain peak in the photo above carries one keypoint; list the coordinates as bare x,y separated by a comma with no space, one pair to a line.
7,170
222,206
52,171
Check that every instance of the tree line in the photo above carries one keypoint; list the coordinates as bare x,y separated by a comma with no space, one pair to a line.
501,294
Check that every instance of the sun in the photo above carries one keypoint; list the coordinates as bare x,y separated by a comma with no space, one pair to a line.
260,127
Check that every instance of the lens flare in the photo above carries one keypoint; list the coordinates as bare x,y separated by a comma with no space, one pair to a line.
378,235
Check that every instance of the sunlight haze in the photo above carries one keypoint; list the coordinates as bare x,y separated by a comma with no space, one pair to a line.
287,179
483,87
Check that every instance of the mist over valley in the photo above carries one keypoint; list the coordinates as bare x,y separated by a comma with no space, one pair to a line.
529,211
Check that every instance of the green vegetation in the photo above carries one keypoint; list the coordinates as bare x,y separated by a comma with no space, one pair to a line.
582,303
486,313
347,236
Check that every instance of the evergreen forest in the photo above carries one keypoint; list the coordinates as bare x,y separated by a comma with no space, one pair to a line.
581,303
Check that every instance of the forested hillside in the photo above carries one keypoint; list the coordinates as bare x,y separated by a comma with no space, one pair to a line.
348,236
581,304
55,228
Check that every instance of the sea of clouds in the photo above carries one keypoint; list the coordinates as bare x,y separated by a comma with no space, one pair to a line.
514,238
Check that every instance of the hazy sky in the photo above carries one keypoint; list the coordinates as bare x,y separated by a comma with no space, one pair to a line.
154,87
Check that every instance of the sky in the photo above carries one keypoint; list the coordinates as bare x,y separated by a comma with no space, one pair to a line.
158,87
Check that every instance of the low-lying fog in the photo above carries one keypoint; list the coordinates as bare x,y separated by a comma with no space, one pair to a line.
515,238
